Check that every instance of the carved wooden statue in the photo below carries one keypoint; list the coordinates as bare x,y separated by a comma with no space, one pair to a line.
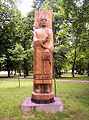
43,47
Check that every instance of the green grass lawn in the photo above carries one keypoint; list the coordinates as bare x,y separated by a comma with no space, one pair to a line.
68,76
75,98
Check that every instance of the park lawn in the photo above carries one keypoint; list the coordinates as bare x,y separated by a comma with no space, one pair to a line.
68,76
75,98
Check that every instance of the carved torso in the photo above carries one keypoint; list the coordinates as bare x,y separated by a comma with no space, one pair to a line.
40,34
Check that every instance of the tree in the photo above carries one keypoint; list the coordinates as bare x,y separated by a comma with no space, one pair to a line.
8,29
16,57
27,38
14,29
76,12
60,59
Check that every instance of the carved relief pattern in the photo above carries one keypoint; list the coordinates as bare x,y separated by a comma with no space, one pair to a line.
43,47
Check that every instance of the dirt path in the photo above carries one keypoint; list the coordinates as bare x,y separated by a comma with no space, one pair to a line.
53,80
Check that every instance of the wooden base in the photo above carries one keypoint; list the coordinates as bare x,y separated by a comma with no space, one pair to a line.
42,101
42,98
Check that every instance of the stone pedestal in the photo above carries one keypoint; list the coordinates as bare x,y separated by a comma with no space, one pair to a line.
53,107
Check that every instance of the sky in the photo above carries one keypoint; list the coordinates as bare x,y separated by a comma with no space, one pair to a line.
25,6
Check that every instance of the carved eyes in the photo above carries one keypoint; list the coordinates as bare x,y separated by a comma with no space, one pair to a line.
43,19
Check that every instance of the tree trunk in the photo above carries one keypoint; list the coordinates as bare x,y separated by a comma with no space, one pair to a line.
55,72
8,64
25,61
59,73
74,64
8,68
19,80
24,68
27,72
88,70
19,72
8,73
15,72
0,66
73,71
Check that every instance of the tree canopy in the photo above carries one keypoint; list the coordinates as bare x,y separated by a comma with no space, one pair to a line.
71,36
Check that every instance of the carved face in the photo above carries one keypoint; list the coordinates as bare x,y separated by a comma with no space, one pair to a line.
43,22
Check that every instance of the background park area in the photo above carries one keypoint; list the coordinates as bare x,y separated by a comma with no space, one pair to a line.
73,93
70,24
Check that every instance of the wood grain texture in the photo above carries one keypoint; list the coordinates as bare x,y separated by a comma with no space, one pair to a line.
43,48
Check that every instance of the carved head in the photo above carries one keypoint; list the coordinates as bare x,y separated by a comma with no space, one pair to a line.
43,21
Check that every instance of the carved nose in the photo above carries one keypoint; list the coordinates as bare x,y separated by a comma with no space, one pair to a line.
43,20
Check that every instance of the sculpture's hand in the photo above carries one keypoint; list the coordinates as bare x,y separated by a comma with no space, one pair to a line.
46,50
45,38
47,33
37,42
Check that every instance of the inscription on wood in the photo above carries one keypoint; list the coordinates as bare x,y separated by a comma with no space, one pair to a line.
42,77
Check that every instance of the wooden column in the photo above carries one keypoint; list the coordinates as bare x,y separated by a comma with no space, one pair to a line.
43,47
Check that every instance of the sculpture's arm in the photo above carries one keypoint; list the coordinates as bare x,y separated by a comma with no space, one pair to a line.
36,41
49,47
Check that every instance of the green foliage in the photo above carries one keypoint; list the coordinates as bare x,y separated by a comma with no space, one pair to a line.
9,19
15,36
76,13
70,28
17,53
60,59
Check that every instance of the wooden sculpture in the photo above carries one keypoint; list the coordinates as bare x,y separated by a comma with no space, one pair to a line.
43,47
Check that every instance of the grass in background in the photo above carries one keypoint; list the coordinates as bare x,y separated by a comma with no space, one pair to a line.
68,76
75,98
